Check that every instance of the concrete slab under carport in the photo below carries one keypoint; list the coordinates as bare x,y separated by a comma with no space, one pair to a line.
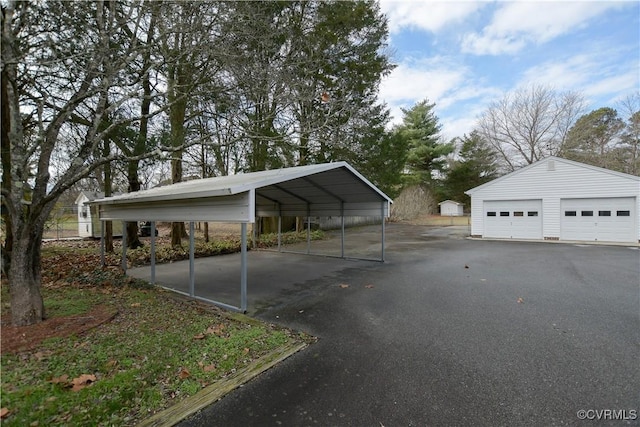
269,274
330,189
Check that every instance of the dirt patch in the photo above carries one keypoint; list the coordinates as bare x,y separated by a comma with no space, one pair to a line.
24,338
437,220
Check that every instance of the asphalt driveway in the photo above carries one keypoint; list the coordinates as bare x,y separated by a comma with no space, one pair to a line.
448,331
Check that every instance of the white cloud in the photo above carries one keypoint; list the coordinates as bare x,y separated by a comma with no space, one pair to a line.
459,126
517,24
566,74
426,15
595,75
613,88
410,83
492,45
444,82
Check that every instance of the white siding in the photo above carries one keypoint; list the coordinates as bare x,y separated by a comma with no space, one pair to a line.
551,180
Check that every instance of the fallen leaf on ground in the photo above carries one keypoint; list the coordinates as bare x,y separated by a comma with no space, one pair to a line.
135,304
184,373
520,301
199,337
82,381
216,329
209,368
4,412
344,286
63,379
246,350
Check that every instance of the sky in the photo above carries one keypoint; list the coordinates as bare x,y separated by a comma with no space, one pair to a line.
463,55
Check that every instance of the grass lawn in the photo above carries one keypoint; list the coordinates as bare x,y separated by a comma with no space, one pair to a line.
115,350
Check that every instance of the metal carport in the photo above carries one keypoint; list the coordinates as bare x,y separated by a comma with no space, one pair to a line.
330,189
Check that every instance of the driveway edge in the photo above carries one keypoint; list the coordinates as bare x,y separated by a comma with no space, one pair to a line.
208,395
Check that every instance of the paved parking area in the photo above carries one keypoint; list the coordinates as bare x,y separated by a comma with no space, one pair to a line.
448,331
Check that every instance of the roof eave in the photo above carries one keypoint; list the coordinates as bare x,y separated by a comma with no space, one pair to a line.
131,197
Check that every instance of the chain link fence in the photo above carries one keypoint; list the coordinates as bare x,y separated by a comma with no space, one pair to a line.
62,223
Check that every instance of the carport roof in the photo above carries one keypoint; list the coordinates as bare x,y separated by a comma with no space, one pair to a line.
320,190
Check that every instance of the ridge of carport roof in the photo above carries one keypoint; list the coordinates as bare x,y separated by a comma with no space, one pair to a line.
329,189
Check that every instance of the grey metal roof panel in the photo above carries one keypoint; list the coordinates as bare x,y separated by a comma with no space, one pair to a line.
339,178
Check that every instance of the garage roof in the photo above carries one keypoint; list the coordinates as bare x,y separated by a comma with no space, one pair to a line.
330,189
550,160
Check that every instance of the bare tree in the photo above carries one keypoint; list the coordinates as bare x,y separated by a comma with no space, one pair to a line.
529,124
65,71
189,45
86,84
629,143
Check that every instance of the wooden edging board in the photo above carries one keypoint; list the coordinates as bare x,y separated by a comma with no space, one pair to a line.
220,388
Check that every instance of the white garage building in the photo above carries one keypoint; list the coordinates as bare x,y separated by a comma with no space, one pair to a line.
558,199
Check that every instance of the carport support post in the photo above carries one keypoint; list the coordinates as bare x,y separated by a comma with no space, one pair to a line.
153,252
192,276
279,233
102,243
124,246
382,214
342,229
308,235
243,267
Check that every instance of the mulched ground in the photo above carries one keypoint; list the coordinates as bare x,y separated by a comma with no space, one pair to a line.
23,338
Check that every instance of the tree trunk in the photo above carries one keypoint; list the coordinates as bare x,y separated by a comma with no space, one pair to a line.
5,157
108,225
27,307
178,230
108,236
133,241
177,114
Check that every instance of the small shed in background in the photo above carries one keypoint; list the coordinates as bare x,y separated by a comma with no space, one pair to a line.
451,208
88,218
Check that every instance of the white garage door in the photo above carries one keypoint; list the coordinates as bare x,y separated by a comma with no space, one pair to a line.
607,220
513,219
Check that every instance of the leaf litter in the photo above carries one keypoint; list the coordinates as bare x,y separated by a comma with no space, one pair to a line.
131,347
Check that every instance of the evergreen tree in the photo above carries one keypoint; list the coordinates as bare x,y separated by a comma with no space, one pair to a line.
381,155
592,139
477,164
426,156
